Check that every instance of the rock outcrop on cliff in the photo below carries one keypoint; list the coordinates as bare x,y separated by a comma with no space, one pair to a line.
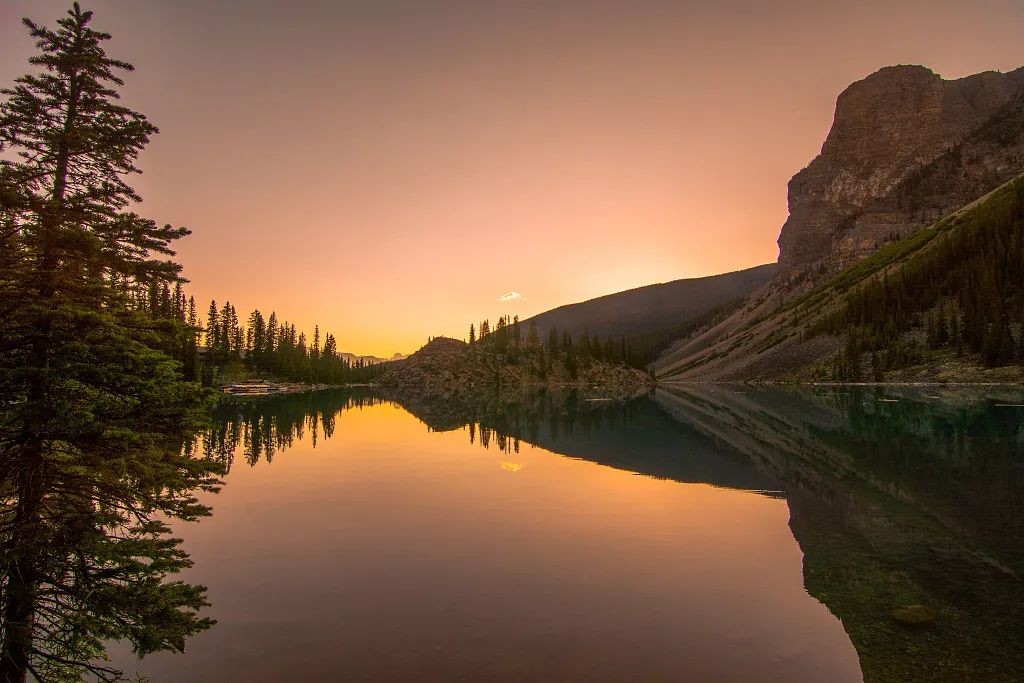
941,305
906,148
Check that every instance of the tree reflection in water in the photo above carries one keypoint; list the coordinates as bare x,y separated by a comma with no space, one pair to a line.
907,505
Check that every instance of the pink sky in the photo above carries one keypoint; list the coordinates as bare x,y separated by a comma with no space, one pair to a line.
389,169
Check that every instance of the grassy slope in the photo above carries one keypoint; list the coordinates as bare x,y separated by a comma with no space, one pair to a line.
773,347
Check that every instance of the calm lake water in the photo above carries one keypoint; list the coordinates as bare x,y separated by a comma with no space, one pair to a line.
700,534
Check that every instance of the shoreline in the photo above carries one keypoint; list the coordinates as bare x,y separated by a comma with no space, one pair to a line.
843,384
251,389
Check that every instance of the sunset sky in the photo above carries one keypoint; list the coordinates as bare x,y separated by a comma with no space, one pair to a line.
391,169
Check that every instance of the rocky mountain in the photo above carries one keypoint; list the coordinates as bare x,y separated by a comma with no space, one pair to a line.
945,303
655,307
906,148
452,369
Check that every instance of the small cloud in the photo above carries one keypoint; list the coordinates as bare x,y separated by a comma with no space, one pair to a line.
510,296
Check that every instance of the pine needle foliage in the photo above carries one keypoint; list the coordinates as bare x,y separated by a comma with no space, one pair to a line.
95,411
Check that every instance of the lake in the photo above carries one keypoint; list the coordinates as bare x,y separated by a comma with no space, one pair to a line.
703,533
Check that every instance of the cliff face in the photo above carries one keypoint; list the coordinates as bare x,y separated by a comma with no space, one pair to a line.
906,150
906,147
782,335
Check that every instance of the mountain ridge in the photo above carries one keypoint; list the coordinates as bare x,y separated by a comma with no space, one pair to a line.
653,307
791,339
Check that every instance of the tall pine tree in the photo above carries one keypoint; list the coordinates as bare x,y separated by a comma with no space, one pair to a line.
95,414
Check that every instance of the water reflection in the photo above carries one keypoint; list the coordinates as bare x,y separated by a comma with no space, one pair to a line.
908,506
411,553
638,436
86,553
260,427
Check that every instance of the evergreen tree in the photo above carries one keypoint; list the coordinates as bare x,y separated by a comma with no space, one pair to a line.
553,340
966,288
95,413
257,338
190,360
532,336
213,329
500,336
179,302
270,347
226,335
584,344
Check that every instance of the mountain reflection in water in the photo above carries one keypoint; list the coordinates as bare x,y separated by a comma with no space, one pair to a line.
393,551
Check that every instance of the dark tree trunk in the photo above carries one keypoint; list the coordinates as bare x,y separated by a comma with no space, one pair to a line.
23,575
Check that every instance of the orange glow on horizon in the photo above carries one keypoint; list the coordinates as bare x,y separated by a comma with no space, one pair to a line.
389,170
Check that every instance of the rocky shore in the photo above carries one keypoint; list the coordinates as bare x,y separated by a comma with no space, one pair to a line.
269,388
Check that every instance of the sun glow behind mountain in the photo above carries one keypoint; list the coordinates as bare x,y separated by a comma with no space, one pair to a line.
388,167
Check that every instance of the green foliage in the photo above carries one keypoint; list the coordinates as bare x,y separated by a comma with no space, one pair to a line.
965,292
95,410
506,345
233,351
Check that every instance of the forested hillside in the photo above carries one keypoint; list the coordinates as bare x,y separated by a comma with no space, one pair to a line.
507,359
944,304
962,296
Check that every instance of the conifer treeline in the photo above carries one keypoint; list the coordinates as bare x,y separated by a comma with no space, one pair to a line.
507,339
965,296
267,426
221,347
